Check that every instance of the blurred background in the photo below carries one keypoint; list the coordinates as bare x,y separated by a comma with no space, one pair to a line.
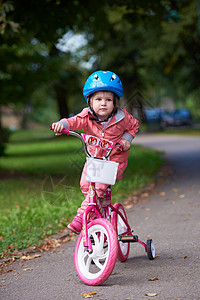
48,48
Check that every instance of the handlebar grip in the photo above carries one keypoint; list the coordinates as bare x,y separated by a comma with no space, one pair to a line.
120,145
64,131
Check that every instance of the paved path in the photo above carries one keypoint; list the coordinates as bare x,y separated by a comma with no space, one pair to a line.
171,215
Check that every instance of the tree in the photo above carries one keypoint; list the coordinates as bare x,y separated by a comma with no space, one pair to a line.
170,52
40,24
145,42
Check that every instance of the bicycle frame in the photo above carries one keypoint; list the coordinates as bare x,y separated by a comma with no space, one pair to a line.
93,205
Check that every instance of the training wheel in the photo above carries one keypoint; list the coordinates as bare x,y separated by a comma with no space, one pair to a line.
150,249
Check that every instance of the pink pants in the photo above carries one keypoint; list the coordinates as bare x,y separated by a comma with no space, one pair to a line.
100,187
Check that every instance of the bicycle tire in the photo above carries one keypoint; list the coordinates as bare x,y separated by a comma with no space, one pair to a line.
120,228
95,268
150,249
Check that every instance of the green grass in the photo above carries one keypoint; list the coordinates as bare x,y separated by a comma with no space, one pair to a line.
184,131
192,131
39,190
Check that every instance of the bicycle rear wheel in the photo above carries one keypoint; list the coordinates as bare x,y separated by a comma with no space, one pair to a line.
120,228
95,268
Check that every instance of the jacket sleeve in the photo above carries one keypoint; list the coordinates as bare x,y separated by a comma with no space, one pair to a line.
77,122
132,126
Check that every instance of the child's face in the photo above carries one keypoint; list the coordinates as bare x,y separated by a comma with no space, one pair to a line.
102,104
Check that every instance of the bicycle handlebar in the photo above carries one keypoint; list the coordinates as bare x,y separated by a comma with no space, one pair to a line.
82,136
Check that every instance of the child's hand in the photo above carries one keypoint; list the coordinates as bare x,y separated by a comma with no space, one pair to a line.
57,127
126,143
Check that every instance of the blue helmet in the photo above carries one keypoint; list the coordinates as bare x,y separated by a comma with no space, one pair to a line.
103,80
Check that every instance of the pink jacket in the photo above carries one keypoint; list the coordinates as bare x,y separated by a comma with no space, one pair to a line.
122,125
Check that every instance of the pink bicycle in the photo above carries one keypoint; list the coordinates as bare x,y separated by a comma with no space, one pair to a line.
106,234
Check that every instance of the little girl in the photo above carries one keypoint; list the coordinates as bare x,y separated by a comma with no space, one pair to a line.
104,119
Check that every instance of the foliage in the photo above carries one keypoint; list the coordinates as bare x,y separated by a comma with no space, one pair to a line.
5,22
152,45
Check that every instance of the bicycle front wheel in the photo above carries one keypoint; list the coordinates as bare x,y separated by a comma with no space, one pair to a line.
95,268
120,228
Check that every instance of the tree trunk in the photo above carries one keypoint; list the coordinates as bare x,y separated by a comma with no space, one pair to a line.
60,90
61,96
0,119
26,115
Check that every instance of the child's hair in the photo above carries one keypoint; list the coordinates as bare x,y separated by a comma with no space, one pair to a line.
115,102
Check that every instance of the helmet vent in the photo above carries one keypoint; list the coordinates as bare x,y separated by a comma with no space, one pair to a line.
102,81
113,77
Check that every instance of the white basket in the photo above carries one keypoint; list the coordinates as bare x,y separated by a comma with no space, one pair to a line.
102,171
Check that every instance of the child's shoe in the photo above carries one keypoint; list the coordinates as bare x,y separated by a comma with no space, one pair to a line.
76,224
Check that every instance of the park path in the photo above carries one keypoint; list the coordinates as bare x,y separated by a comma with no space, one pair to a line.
170,214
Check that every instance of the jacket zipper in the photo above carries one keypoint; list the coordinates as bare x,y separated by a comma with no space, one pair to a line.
103,130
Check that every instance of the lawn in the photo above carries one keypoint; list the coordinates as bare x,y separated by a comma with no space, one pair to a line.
39,190
180,130
184,131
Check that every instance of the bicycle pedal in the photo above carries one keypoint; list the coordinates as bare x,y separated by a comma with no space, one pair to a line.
128,238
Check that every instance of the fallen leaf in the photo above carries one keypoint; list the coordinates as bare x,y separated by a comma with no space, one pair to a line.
88,295
2,281
29,257
142,201
190,213
115,273
5,271
16,274
175,190
135,199
144,195
182,196
27,269
147,218
151,294
148,209
162,193
170,257
185,257
92,293
153,279
49,244
128,206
